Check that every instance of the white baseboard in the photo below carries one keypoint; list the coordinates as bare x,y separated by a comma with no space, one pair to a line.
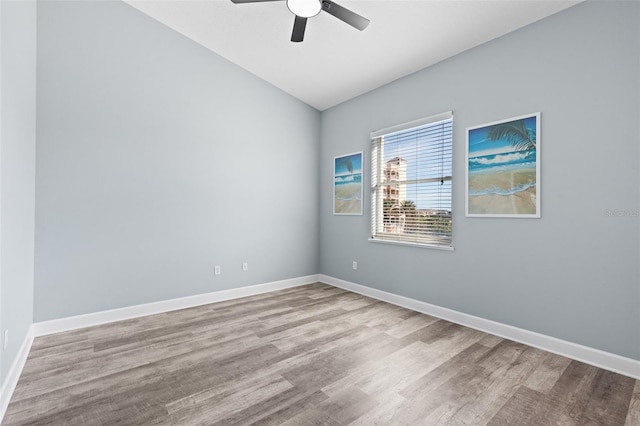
104,317
608,361
11,380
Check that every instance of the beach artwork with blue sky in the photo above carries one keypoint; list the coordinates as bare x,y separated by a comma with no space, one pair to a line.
347,184
503,167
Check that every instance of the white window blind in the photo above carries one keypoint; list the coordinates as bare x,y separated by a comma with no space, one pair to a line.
411,182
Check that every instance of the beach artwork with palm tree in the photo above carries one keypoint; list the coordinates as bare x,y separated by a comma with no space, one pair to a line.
503,168
347,184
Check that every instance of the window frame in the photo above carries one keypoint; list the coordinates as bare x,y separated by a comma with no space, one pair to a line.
378,185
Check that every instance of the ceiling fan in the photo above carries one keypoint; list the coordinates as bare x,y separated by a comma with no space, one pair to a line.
304,9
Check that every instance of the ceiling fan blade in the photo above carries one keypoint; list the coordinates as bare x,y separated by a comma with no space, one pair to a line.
345,15
298,29
251,1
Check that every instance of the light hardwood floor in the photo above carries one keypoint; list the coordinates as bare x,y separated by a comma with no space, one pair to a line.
310,355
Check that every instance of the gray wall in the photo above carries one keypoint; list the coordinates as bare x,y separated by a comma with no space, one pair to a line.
17,173
572,274
150,172
157,159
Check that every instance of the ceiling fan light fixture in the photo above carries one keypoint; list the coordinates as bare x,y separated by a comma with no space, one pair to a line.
304,8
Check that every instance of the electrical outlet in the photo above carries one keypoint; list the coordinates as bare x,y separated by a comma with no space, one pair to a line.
245,266
355,265
6,339
217,270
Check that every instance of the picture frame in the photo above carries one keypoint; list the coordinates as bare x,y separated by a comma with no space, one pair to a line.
503,168
347,184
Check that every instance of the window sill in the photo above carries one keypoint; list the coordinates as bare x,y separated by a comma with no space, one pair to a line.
410,244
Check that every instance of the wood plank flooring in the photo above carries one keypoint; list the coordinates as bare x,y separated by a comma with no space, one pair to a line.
310,355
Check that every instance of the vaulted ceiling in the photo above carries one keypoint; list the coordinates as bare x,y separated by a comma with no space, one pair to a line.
336,62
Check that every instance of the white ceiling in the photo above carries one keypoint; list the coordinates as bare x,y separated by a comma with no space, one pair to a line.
337,62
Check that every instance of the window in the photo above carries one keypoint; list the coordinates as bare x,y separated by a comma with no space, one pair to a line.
411,182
